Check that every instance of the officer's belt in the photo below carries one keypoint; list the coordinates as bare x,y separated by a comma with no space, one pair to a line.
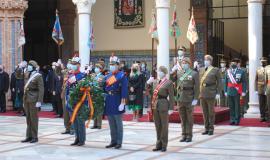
113,92
186,88
162,97
208,85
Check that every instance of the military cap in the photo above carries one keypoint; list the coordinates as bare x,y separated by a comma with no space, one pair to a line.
186,59
263,59
235,60
76,60
222,61
33,63
163,69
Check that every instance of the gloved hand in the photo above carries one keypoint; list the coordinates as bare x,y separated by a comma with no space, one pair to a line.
243,94
170,112
38,104
226,94
194,102
121,107
175,68
150,80
13,89
53,93
218,96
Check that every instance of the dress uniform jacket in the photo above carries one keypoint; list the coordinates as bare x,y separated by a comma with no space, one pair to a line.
260,87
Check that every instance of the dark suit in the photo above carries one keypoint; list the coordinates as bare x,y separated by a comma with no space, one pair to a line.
57,83
4,85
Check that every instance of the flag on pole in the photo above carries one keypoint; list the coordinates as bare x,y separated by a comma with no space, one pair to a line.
57,34
91,41
21,39
175,29
192,34
153,28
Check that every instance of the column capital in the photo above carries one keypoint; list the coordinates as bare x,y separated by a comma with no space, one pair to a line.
12,4
84,6
256,1
162,3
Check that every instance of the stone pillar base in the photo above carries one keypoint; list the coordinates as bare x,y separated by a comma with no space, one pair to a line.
253,111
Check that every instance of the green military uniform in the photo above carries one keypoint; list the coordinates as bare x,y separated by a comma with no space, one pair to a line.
223,99
210,86
161,106
187,91
33,93
233,91
260,87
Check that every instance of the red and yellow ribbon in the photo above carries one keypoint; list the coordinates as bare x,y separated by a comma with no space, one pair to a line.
86,93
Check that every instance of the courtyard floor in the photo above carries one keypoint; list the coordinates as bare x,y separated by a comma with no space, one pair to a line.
228,143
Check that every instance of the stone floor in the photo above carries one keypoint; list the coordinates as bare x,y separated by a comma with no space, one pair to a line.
229,142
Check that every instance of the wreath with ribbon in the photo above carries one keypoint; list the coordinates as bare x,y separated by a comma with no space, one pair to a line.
87,100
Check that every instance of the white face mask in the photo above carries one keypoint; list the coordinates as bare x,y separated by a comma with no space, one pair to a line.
113,68
207,63
161,75
222,65
97,70
29,68
53,67
185,66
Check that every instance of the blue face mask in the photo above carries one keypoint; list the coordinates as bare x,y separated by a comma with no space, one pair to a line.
69,66
97,70
29,68
185,66
113,68
74,67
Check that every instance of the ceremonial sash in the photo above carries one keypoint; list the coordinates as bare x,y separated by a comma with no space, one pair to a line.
234,84
155,93
205,75
31,78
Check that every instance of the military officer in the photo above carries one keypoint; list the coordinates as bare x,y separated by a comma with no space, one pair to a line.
99,77
32,99
187,97
235,87
116,89
260,87
162,102
210,88
223,69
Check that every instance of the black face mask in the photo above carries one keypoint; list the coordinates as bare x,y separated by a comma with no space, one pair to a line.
234,66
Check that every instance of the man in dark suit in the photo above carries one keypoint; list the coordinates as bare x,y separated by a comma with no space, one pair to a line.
4,85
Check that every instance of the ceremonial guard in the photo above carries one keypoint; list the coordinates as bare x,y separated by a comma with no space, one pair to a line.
162,102
223,69
32,99
187,97
210,88
235,87
116,89
76,119
98,76
260,85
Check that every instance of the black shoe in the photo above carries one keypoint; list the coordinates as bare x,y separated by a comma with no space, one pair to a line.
94,127
232,123
210,133
205,133
111,145
66,132
189,140
76,142
26,140
183,139
118,146
81,144
163,149
34,140
156,149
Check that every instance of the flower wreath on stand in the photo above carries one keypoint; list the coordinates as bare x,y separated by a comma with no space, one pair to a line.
87,100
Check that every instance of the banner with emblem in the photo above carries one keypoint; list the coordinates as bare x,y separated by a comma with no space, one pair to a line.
128,13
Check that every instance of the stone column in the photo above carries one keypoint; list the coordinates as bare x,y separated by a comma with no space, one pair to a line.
163,50
84,11
255,49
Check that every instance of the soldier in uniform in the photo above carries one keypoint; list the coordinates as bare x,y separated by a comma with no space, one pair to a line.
99,77
210,88
161,105
223,69
32,98
260,88
187,98
116,89
235,86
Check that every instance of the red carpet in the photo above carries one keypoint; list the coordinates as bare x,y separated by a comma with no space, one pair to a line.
248,122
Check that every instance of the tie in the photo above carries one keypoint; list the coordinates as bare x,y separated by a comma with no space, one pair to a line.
206,69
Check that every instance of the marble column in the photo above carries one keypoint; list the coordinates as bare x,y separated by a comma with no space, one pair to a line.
84,11
255,49
163,50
